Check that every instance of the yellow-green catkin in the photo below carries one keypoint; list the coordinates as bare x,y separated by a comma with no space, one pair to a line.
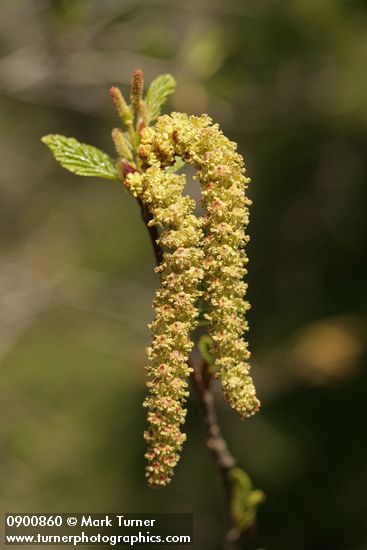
176,314
222,178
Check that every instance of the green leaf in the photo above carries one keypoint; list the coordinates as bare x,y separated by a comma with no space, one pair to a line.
205,346
244,499
159,89
79,158
179,163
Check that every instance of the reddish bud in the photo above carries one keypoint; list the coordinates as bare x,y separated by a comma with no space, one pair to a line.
125,168
137,85
175,136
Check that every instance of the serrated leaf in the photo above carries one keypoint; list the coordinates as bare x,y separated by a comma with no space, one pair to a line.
79,158
158,91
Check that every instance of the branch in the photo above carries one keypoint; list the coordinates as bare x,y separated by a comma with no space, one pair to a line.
214,441
152,230
217,445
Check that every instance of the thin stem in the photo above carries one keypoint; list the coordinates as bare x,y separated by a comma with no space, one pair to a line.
215,441
152,230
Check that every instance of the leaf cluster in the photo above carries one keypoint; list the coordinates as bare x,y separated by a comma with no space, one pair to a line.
87,160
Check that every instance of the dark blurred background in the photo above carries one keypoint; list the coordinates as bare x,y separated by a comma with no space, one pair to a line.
287,79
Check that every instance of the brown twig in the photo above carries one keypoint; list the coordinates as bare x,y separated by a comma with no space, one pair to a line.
215,442
152,230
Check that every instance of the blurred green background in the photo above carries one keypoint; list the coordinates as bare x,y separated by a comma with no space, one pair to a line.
287,79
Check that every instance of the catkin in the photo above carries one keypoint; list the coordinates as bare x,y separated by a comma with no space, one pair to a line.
176,315
222,178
